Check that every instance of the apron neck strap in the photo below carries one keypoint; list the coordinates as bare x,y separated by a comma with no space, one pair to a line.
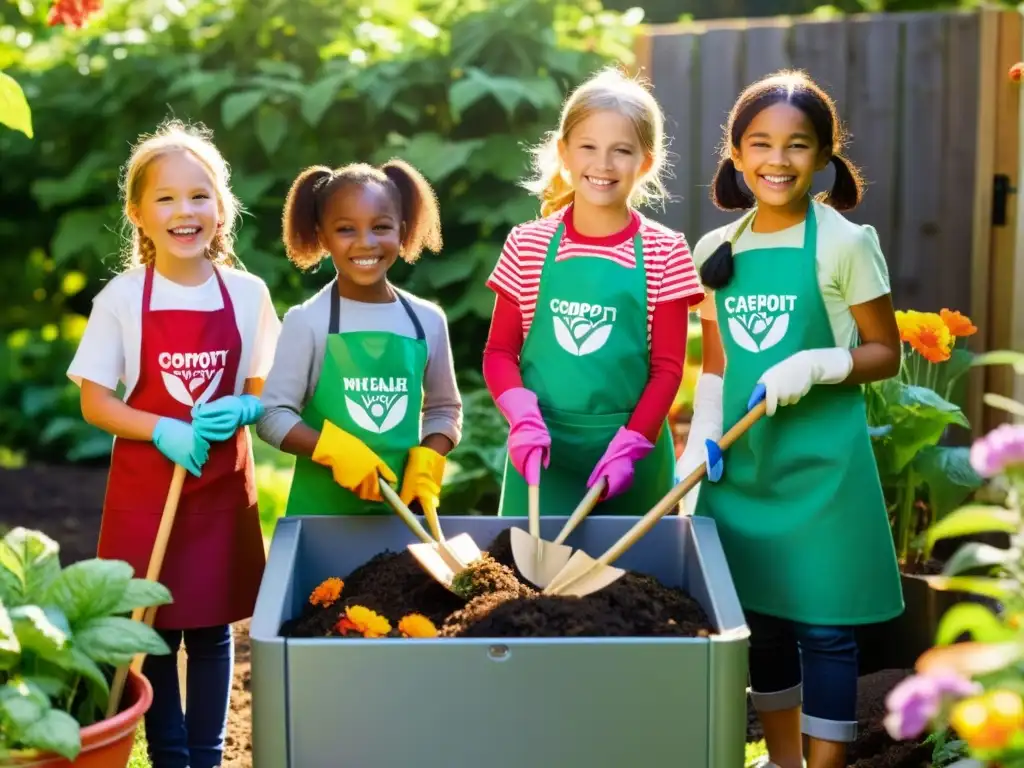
334,324
810,226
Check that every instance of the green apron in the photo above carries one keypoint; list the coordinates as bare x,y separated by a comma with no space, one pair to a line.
799,508
587,359
371,386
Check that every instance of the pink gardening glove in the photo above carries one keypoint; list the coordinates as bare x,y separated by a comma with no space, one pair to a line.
616,466
529,444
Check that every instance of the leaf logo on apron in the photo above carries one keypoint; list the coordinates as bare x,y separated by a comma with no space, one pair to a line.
580,327
759,321
377,404
191,378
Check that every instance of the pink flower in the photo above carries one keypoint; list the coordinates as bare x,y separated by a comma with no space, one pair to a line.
916,701
998,450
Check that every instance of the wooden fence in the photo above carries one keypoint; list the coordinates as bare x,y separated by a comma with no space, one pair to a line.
934,123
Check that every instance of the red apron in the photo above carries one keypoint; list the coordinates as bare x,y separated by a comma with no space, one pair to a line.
215,555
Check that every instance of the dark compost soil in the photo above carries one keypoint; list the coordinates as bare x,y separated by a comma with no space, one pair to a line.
394,585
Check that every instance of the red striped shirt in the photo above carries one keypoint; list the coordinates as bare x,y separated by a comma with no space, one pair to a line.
670,272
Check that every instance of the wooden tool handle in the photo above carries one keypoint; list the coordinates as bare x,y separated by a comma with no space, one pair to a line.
156,563
403,511
585,508
434,522
533,501
672,498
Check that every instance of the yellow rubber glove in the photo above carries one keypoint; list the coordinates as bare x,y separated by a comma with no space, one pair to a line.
422,481
352,463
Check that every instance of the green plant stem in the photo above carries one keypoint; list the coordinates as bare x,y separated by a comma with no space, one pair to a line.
74,692
905,516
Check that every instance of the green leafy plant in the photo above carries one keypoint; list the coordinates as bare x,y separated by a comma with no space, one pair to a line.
474,469
62,633
909,415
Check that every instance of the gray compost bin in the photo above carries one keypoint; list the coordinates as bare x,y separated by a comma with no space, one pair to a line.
504,702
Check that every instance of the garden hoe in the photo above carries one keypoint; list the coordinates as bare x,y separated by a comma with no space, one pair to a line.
156,562
442,558
539,560
583,574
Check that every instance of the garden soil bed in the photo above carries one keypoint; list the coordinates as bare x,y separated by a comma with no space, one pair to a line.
65,502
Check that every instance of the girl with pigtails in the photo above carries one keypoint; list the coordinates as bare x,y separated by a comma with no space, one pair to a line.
797,311
363,385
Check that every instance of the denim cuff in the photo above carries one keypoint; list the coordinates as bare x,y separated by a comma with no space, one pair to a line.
777,700
828,730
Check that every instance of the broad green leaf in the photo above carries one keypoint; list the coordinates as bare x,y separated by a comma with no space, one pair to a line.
948,473
204,85
142,593
973,555
84,230
285,69
32,557
10,648
12,576
318,98
436,158
89,588
919,417
40,630
73,660
542,92
116,640
237,106
250,188
978,620
452,268
271,128
55,731
974,518
14,110
1003,403
50,687
1001,357
997,589
22,712
89,174
509,92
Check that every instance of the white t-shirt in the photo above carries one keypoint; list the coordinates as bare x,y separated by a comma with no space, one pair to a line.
111,345
851,266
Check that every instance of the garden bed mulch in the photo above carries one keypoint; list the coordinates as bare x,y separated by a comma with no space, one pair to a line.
66,502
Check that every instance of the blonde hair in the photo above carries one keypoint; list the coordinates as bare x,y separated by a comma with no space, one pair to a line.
609,89
176,136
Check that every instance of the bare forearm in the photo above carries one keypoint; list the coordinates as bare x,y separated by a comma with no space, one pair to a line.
102,408
712,353
873,361
438,443
301,440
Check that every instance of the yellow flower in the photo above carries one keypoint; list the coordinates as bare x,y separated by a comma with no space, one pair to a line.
327,592
990,720
926,333
417,625
361,619
959,325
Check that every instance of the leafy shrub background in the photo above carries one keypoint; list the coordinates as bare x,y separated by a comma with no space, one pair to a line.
457,87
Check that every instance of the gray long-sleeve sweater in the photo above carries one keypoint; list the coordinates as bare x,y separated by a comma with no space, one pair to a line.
300,353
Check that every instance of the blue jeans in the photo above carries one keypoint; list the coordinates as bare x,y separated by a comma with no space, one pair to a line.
194,738
816,666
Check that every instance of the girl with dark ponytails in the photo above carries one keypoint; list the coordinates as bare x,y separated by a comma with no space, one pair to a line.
797,311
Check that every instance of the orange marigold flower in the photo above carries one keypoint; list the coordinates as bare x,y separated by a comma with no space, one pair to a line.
327,592
362,619
927,334
417,625
959,325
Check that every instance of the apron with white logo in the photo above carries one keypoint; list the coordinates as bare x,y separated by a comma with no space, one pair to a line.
215,558
371,386
799,509
587,358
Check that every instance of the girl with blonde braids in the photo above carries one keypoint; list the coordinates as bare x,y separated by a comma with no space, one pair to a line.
588,334
191,338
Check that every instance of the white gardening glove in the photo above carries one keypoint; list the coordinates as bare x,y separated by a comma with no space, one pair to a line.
786,382
706,424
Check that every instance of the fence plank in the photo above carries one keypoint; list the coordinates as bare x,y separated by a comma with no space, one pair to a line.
720,84
956,174
766,51
673,65
922,154
873,106
821,49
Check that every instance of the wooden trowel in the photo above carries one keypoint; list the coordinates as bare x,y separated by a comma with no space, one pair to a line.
442,558
583,575
539,560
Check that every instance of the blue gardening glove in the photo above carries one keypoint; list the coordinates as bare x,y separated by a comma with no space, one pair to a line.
176,440
220,419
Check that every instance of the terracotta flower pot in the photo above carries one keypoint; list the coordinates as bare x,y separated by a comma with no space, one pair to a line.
108,743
